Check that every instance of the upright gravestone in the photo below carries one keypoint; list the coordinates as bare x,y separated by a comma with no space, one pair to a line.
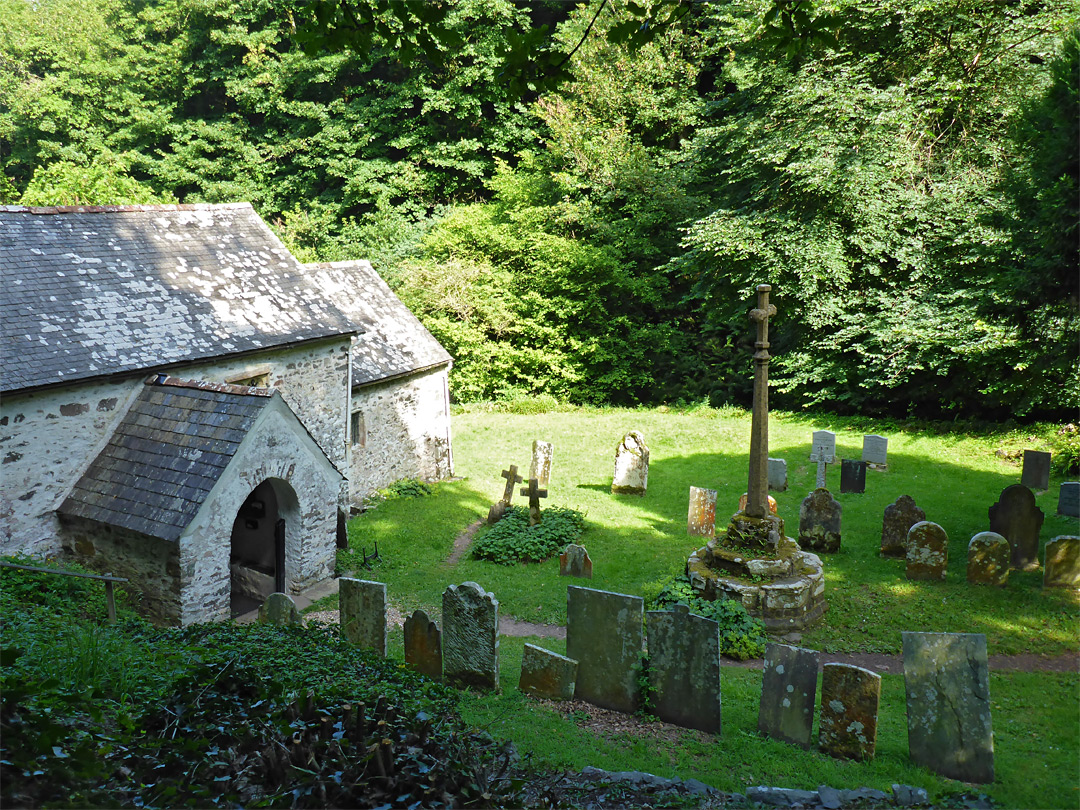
1069,499
819,521
1016,518
604,635
540,469
631,466
823,446
777,474
1061,567
684,668
900,516
470,643
788,692
927,552
847,725
875,451
423,645
575,562
547,675
362,606
1036,472
701,517
988,559
947,681
852,476
280,610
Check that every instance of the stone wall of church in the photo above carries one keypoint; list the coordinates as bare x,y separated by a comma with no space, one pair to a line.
401,429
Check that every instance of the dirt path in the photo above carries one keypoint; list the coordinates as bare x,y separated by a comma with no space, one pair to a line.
462,542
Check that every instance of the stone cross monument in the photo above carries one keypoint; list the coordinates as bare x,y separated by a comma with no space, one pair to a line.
757,502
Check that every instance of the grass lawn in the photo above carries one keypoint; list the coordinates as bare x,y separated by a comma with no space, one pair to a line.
637,544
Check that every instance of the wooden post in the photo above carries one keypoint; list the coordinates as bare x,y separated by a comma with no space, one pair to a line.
110,599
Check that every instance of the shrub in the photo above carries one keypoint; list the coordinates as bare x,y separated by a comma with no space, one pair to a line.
513,540
404,488
741,635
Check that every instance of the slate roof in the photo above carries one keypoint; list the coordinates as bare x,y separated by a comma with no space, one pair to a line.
92,291
166,455
394,343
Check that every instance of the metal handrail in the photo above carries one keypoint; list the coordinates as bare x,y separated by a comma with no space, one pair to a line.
108,579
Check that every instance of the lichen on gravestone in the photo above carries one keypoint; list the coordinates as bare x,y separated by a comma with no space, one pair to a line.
470,637
684,668
545,674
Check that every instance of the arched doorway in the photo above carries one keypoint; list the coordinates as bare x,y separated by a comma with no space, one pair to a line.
258,564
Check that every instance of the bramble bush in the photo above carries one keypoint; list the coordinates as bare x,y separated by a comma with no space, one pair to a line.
741,635
513,540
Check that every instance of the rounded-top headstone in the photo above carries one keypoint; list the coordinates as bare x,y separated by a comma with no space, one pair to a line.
927,551
988,559
899,517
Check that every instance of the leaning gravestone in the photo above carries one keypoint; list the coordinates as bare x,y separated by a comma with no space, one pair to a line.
631,466
1061,567
819,521
788,692
575,562
540,468
470,643
500,507
927,552
547,675
947,681
1016,518
604,635
1036,471
852,476
684,668
847,725
280,610
777,474
423,645
362,606
701,518
900,516
988,559
875,451
823,446
1069,499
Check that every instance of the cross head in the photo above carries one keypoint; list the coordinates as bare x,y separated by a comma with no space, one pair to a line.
534,492
512,478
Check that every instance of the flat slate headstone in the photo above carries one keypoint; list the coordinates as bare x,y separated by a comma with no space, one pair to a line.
470,640
362,606
684,668
852,476
631,475
1036,472
423,645
819,521
1069,499
875,451
1016,518
575,562
788,692
1061,566
927,551
604,635
777,474
280,610
988,559
701,518
947,682
899,517
847,725
547,675
540,469
823,446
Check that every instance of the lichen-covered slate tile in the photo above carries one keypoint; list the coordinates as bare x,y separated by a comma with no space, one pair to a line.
604,635
788,693
545,674
847,724
363,613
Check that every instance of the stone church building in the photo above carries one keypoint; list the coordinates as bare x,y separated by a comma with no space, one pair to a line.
184,404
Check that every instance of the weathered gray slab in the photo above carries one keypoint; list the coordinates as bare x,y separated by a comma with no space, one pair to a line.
1016,518
362,607
788,692
423,645
279,610
547,675
1061,568
847,725
470,642
852,476
540,469
899,517
701,518
1036,471
988,559
819,521
875,450
927,551
947,681
604,635
631,475
575,562
823,446
1069,499
777,474
684,668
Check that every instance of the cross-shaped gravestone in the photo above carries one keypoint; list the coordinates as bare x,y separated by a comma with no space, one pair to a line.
757,502
512,478
821,466
535,494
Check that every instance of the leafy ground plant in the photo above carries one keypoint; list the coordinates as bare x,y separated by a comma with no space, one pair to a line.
513,540
741,635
